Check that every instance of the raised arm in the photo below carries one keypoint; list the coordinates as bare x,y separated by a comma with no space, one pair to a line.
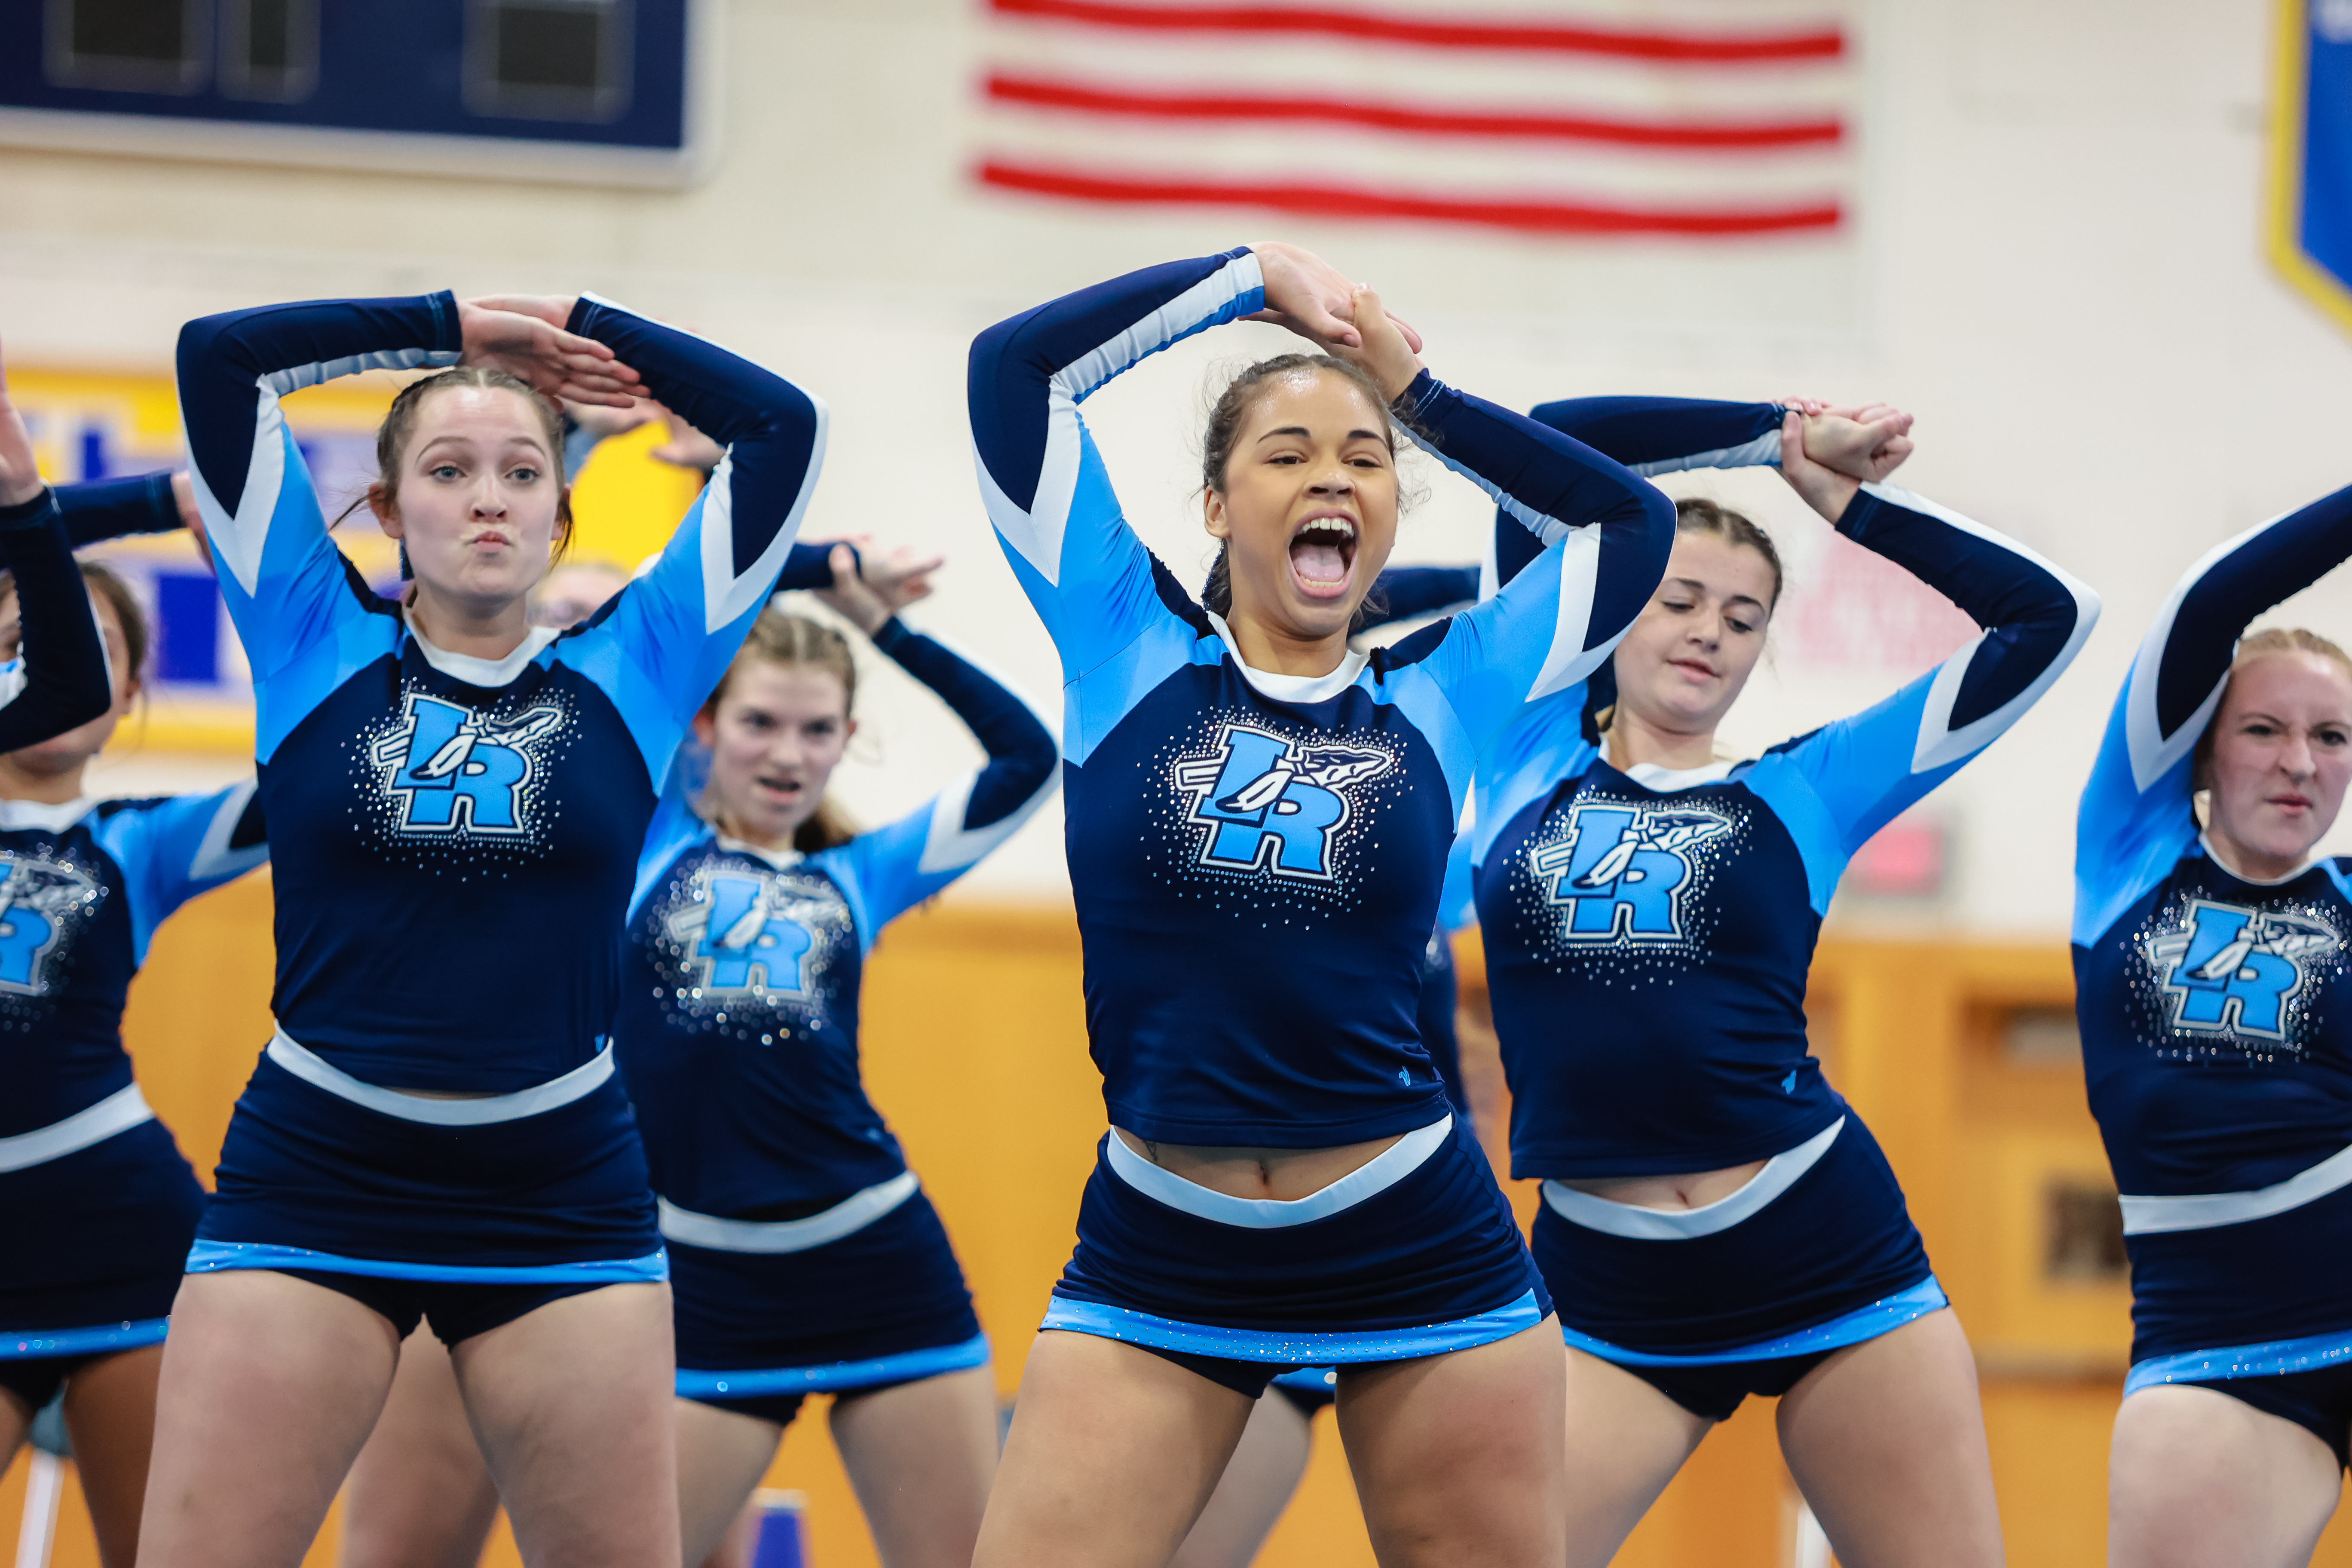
60,678
1047,494
1605,535
678,626
101,509
176,848
2134,817
1409,593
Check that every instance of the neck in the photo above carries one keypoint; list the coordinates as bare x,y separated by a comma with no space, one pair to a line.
42,788
2251,865
731,826
1280,650
1635,741
474,627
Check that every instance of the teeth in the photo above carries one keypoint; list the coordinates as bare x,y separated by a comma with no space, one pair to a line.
1336,528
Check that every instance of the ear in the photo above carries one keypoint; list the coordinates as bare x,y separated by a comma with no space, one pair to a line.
387,512
1214,517
848,730
706,727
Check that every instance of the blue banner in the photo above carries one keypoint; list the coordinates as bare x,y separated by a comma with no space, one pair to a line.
2311,183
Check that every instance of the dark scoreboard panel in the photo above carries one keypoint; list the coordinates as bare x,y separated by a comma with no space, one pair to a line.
306,79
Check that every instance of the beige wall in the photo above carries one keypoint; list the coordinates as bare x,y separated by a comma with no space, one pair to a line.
2056,263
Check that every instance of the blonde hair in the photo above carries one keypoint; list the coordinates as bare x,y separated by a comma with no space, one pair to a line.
777,637
2263,644
1696,514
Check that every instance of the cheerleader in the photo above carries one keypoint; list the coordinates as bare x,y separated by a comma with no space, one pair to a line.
455,800
1258,821
2211,985
1716,1221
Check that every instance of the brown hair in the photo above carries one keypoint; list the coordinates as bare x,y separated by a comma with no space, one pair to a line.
392,438
1226,417
777,637
1696,514
106,584
2262,644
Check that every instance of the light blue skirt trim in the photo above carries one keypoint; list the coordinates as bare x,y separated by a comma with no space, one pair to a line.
2275,1359
1292,1350
40,1345
1310,1379
1880,1317
211,1256
904,1367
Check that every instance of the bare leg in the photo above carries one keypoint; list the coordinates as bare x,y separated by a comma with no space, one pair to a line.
921,1455
270,1386
570,1403
1113,1451
1460,1459
110,1414
735,1549
1625,1442
419,1494
722,1454
16,1424
1256,1488
1887,1440
2199,1479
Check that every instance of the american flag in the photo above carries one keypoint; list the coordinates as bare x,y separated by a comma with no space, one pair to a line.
1683,117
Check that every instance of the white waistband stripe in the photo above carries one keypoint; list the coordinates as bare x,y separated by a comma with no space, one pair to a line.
539,1099
1383,1171
850,1215
118,1112
2205,1210
1778,1174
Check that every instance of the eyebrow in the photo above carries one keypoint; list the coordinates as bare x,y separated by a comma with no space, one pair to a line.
1734,599
533,442
1303,430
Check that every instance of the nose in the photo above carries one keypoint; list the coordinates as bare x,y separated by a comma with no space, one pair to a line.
2296,758
489,499
1335,481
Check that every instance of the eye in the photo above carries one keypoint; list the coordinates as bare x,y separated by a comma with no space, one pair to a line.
2259,727
523,474
823,729
1286,459
1743,627
1679,607
2332,737
444,472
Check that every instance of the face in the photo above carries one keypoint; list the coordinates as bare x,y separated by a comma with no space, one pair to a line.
478,495
1693,646
1308,509
2282,755
774,740
61,754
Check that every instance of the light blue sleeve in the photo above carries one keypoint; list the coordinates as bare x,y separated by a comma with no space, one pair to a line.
171,850
1543,746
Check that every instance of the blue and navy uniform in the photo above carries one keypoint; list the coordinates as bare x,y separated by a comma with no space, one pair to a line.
60,681
803,1257
1257,860
457,835
97,1205
1648,937
2216,1015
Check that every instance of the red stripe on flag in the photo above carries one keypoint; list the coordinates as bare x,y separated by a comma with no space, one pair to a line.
1239,108
1530,214
1711,47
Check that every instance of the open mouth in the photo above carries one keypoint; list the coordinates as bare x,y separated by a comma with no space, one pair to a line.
783,789
1323,556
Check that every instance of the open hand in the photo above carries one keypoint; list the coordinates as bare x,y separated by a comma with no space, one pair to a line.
20,479
524,336
605,421
1312,298
688,447
888,584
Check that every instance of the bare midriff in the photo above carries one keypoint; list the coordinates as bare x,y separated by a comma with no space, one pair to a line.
1691,1190
1241,1171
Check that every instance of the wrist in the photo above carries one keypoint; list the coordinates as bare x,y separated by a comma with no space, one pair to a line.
20,508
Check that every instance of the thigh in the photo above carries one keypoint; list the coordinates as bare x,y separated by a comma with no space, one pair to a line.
920,1457
419,1494
570,1403
270,1385
110,1416
1256,1488
1461,1459
1887,1440
2199,1479
1112,1452
16,1425
1625,1441
722,1454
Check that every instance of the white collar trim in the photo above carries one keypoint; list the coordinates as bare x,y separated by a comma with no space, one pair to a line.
1291,688
17,815
2213,854
1666,780
782,860
486,673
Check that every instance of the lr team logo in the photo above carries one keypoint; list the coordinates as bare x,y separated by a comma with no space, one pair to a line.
1268,801
40,901
2233,969
454,769
739,928
1622,869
